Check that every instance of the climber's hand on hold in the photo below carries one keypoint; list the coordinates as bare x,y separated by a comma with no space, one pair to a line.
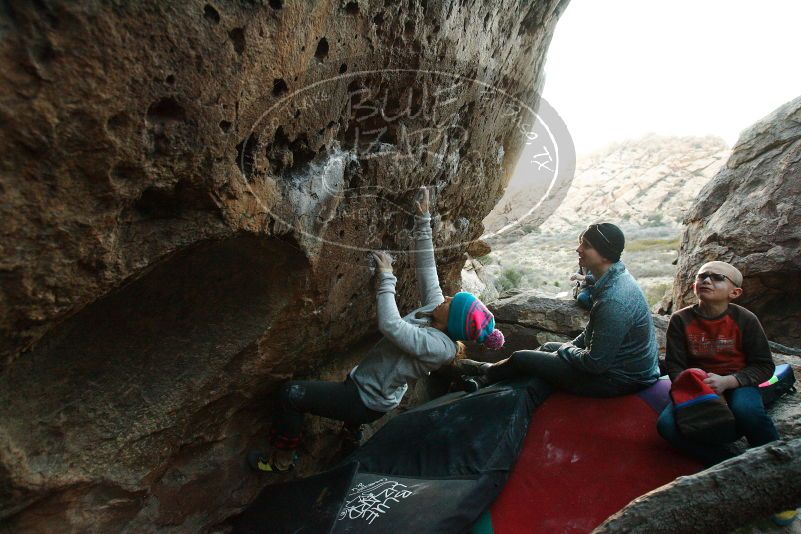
422,202
383,261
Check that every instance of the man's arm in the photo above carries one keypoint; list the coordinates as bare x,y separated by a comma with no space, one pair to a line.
579,341
609,326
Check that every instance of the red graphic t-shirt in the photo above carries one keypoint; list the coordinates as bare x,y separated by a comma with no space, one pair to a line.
732,343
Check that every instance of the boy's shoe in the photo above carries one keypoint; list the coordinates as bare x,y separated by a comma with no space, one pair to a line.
280,461
471,367
784,518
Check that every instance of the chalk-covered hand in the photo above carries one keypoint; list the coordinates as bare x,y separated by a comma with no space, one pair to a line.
383,261
422,202
721,383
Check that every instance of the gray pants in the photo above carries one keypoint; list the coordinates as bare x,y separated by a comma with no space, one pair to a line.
545,363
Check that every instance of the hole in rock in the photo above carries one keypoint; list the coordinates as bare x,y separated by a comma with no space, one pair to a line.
245,154
279,87
164,202
165,110
211,14
237,36
322,49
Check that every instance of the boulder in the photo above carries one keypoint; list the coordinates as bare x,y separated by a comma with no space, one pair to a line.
749,215
189,193
478,248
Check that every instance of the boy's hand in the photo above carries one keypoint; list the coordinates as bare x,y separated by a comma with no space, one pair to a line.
383,261
721,383
422,202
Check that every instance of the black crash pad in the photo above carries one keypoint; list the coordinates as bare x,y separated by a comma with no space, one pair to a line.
434,468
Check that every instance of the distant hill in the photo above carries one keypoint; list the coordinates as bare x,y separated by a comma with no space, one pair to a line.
650,181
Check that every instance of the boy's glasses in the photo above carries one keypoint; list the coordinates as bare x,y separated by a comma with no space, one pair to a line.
716,277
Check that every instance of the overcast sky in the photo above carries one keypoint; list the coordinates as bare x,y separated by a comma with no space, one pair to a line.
618,69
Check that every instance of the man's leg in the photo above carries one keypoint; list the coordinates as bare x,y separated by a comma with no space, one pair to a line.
551,346
557,372
509,368
502,369
707,454
749,413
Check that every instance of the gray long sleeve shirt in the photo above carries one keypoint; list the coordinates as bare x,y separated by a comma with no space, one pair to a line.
411,347
619,340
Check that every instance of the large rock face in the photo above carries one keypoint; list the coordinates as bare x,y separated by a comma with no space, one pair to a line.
188,193
750,215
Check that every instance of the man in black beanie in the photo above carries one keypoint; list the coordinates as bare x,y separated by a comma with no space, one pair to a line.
607,239
616,354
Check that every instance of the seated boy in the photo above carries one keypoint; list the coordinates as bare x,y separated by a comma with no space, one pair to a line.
726,341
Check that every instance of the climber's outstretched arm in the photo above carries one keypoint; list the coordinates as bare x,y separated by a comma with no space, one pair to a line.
424,263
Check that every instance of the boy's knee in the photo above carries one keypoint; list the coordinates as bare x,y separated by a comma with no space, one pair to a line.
747,405
750,416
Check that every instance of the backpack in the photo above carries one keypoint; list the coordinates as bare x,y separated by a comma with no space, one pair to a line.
781,383
701,414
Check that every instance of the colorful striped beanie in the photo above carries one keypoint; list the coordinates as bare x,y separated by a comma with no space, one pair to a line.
470,320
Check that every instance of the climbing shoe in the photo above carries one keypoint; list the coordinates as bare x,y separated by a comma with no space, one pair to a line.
784,518
279,461
471,367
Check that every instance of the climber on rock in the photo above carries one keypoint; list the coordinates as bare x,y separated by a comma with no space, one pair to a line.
616,354
413,345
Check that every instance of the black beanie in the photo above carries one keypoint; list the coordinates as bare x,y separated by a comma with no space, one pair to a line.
607,239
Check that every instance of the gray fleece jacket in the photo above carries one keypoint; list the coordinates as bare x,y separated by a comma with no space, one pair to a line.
619,340
410,348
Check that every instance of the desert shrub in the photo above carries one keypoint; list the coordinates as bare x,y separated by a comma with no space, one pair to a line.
654,294
510,278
